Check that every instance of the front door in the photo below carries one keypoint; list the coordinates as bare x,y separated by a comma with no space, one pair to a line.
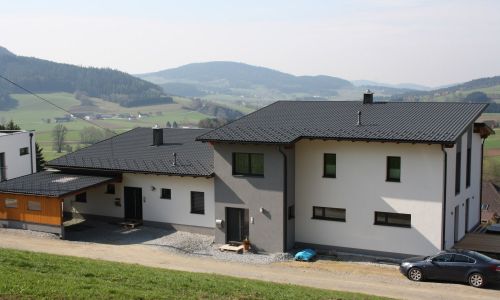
237,224
133,203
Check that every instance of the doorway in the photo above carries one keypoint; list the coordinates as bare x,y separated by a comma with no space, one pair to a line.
237,224
133,203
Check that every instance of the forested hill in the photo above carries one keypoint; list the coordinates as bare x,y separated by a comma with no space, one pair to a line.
44,76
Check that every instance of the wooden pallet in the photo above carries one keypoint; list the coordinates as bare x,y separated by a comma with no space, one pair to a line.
131,224
232,247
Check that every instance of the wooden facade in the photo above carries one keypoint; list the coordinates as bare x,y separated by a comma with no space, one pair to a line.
50,212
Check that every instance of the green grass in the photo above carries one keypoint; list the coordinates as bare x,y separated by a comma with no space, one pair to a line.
31,113
43,276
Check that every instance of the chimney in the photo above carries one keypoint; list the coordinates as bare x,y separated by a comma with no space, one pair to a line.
368,97
174,161
157,136
359,118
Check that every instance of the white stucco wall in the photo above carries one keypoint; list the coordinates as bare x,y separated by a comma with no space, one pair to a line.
361,188
98,202
472,193
17,165
174,211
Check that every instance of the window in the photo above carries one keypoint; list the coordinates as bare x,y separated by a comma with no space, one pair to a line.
330,165
198,203
484,206
34,205
392,219
458,165
393,168
110,189
166,194
329,213
443,258
24,151
2,167
10,203
463,259
82,197
291,212
248,164
469,158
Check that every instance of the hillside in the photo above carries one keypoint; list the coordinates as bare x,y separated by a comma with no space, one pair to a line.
232,78
43,76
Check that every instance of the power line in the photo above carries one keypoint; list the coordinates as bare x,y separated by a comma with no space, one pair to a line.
53,104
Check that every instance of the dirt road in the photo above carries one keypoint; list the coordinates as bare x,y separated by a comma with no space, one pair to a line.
372,279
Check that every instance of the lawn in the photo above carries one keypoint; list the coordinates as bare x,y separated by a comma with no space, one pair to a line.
43,276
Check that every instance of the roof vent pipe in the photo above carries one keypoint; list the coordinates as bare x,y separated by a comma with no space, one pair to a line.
174,161
157,136
359,118
368,97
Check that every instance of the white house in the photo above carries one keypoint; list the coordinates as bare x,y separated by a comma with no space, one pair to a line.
383,178
17,153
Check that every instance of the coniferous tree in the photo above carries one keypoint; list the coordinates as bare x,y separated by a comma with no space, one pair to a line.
40,161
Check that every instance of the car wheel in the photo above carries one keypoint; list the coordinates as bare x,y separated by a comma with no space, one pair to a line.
415,274
476,280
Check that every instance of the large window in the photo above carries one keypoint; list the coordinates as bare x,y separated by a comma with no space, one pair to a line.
248,164
458,166
394,168
329,213
24,151
2,167
392,219
10,203
198,203
329,165
34,205
469,158
82,197
166,194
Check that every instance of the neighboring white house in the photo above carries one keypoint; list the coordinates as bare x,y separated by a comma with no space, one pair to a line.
17,153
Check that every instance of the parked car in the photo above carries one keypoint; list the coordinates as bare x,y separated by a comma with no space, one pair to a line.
453,265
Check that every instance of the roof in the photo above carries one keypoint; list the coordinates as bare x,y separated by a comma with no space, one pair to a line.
285,122
51,184
133,151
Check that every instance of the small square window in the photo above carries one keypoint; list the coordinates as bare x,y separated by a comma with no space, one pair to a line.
82,197
34,205
330,165
10,203
394,168
24,151
166,194
110,189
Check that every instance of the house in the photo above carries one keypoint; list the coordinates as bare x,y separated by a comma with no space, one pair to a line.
398,178
165,181
490,205
17,153
381,178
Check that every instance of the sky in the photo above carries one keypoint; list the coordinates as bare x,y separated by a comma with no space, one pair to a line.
424,42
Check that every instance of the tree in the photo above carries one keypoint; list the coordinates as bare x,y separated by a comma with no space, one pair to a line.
10,126
59,136
169,125
91,135
211,123
174,125
40,161
477,97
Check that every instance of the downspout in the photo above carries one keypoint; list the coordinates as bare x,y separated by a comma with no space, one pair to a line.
31,151
285,194
445,171
481,182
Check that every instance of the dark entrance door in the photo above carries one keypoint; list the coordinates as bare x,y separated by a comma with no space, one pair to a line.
133,203
237,224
